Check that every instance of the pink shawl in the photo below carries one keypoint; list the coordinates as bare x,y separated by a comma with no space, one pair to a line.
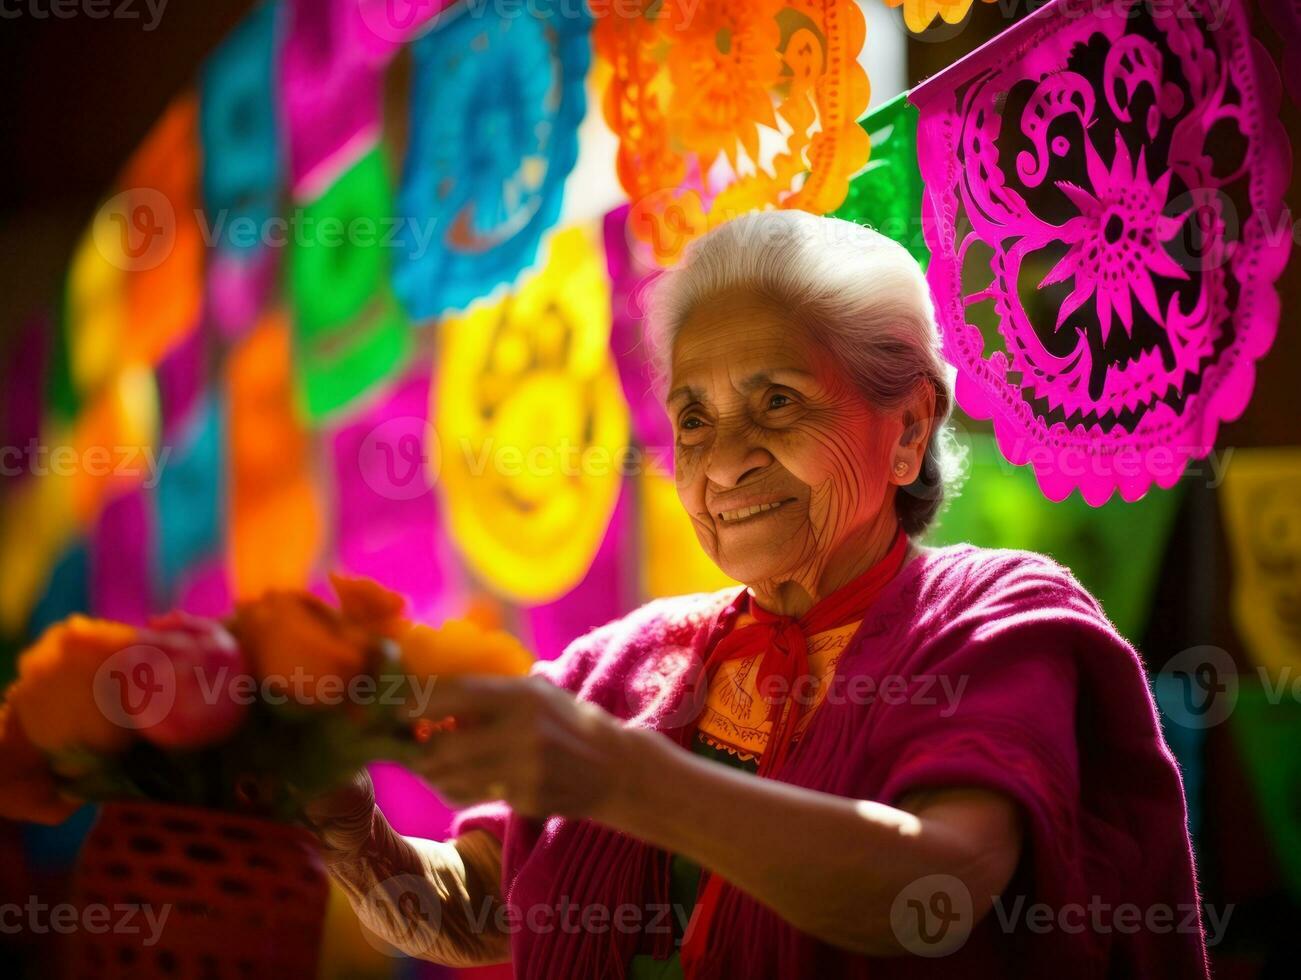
1044,702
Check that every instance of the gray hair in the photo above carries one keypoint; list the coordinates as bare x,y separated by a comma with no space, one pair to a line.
860,293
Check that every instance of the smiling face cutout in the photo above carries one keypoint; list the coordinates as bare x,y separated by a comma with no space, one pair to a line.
763,417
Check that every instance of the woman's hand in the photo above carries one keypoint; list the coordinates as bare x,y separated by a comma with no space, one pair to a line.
525,741
343,818
380,871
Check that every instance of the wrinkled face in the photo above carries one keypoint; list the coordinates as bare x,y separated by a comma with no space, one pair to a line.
780,461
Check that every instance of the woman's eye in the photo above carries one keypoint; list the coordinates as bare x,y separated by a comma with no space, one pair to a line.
779,401
691,422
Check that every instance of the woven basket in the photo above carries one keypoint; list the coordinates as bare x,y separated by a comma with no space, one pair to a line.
243,897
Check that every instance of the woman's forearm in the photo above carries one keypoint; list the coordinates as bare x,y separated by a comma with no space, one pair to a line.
433,900
828,865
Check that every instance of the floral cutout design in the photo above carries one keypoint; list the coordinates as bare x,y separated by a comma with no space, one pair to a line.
1103,198
728,107
496,103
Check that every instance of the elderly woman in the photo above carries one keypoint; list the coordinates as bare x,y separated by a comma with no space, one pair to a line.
875,759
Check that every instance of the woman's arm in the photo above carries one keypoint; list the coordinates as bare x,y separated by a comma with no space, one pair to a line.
432,900
829,865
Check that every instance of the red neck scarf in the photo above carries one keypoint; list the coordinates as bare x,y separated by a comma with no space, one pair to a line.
782,641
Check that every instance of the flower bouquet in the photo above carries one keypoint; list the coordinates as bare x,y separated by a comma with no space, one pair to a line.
204,739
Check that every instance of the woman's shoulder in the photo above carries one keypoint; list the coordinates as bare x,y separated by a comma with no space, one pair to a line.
965,575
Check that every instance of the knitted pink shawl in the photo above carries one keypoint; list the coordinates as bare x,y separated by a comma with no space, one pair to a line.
991,668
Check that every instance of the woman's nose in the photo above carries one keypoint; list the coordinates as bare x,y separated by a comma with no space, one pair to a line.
733,460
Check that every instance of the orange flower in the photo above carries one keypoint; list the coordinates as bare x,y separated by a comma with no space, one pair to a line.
462,647
370,606
58,698
300,646
27,788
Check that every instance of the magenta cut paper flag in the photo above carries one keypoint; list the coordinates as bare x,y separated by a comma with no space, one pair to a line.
387,524
631,268
1104,208
332,91
120,555
605,593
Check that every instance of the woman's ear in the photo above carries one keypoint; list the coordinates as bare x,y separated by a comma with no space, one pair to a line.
917,416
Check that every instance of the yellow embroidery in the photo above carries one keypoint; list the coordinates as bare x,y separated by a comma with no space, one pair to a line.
735,717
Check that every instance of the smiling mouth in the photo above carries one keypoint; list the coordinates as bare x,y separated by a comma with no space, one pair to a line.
749,513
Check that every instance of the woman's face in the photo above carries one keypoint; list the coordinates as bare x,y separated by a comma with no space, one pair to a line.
764,418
